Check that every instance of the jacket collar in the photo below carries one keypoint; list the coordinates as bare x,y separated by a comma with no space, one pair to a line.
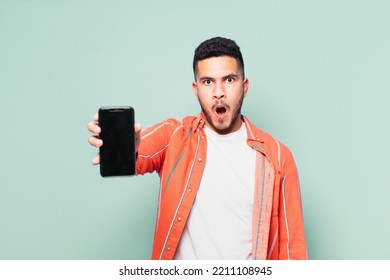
256,138
199,122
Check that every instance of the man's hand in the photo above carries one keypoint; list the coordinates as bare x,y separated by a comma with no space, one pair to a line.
95,141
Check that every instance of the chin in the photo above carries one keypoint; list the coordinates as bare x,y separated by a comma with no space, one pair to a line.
222,128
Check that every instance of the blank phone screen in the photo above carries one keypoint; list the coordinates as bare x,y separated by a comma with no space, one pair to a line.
117,155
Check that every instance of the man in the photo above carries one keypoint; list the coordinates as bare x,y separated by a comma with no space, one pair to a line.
228,190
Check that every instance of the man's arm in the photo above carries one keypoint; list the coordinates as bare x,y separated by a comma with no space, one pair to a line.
154,143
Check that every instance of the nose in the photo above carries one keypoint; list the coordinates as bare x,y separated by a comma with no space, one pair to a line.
219,91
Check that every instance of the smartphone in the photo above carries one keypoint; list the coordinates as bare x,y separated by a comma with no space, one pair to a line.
117,155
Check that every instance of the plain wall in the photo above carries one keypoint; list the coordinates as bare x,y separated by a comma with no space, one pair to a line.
319,82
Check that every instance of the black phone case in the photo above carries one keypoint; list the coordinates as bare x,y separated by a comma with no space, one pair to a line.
117,155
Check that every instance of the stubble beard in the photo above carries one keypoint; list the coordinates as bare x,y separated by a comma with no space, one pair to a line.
223,126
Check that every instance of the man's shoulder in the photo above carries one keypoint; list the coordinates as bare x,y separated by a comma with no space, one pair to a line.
267,141
256,133
174,125
185,121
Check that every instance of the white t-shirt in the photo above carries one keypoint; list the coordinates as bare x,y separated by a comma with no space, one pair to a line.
220,223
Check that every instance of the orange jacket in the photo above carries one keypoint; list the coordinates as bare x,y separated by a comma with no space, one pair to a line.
177,152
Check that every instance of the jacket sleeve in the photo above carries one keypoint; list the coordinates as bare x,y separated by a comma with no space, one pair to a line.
154,142
292,239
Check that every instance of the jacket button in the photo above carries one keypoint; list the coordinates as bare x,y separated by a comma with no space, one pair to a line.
189,190
168,248
179,219
199,159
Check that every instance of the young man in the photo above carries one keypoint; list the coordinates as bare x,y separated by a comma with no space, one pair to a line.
228,190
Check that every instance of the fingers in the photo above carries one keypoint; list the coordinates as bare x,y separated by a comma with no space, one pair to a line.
137,128
137,135
94,127
95,141
96,160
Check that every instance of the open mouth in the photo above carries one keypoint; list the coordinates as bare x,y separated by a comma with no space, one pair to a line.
221,111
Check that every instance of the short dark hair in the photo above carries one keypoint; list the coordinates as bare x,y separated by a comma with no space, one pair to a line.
216,47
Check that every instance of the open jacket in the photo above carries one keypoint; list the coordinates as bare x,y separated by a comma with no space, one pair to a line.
177,152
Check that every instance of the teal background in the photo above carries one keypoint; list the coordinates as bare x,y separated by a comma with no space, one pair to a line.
319,82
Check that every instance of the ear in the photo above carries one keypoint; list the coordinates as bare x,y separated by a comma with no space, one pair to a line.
246,86
195,89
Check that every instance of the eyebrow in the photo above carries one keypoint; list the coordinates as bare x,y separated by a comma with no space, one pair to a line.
223,78
230,76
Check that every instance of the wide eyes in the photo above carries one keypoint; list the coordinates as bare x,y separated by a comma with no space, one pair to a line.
209,82
230,80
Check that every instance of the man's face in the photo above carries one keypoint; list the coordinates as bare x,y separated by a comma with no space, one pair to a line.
220,89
